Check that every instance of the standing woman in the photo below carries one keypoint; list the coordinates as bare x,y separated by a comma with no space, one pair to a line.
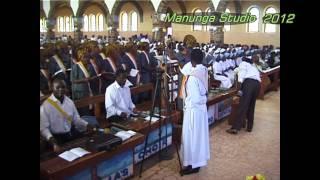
81,74
59,65
111,63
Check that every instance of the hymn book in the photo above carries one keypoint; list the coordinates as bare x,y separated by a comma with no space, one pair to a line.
124,135
134,72
73,154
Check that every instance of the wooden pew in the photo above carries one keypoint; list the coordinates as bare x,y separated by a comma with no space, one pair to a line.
221,96
139,125
270,80
57,168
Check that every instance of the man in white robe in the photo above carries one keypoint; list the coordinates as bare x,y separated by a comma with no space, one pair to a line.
195,131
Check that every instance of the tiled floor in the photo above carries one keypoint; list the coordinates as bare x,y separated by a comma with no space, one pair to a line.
233,157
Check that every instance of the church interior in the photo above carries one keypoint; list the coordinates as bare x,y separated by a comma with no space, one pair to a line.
86,47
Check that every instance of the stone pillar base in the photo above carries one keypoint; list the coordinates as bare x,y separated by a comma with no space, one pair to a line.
112,35
158,34
77,36
50,35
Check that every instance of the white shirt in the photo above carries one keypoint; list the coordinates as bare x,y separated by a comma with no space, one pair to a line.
52,121
223,65
118,99
231,63
247,70
186,69
217,69
238,61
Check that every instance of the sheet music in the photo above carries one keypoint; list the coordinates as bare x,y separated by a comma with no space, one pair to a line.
124,135
79,151
134,72
73,154
69,156
131,132
153,119
160,116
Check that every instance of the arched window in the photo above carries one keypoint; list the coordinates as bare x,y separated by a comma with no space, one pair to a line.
92,23
57,24
227,27
270,28
197,25
254,26
61,24
71,24
100,22
134,21
67,20
43,25
124,21
208,27
85,23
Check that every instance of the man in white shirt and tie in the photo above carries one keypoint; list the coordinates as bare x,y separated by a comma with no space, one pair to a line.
118,100
249,79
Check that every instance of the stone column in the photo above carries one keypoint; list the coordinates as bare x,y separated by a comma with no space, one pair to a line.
113,24
77,23
50,28
158,28
217,35
112,33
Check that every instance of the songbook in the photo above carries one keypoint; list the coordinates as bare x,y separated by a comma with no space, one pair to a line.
153,119
73,154
134,72
124,135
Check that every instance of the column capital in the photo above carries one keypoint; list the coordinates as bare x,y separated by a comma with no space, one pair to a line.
50,22
77,23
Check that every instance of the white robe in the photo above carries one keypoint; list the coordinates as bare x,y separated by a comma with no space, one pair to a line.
230,72
195,130
225,81
238,61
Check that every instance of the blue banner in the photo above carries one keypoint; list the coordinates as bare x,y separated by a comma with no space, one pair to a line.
153,145
119,165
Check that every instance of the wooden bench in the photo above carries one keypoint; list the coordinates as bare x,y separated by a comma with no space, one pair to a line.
270,80
57,168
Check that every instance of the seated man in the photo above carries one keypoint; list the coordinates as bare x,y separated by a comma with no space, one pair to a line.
59,119
118,100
